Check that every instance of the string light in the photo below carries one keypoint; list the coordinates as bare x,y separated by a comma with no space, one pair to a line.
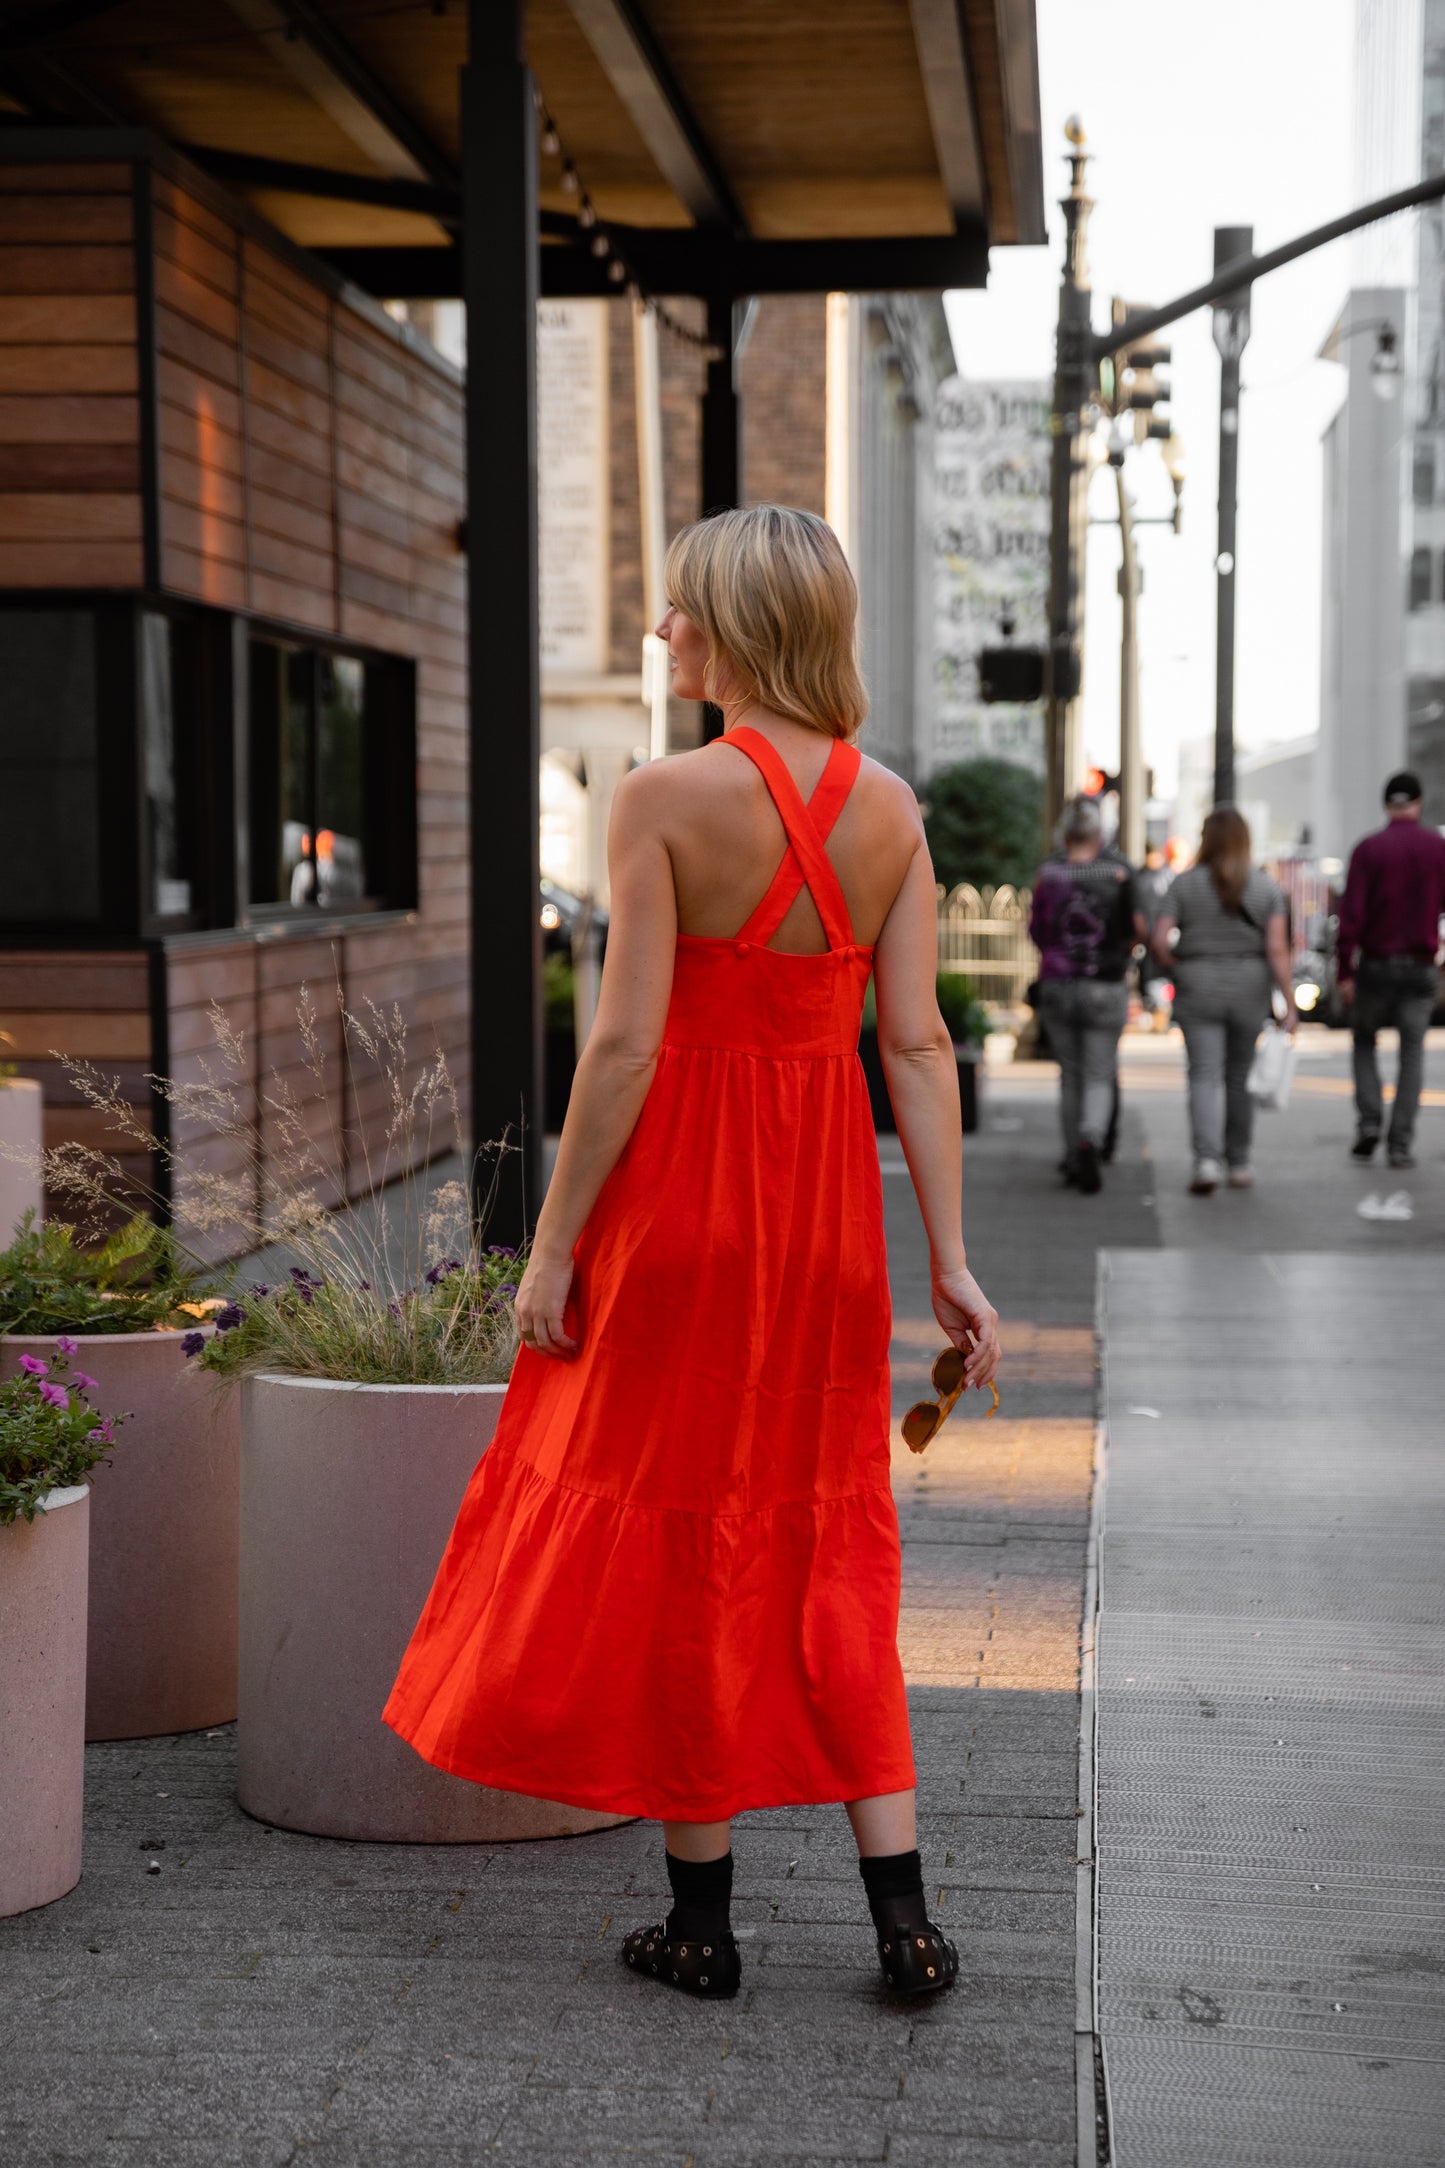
604,247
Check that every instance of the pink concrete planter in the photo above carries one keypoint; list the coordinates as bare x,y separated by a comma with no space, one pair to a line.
22,1129
348,1494
163,1537
42,1701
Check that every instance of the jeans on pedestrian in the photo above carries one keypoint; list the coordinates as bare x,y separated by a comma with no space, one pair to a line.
1220,1007
1083,1018
1391,990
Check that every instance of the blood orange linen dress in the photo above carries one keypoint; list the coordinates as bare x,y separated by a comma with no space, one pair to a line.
672,1587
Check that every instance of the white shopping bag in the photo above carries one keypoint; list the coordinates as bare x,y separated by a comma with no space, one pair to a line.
1271,1073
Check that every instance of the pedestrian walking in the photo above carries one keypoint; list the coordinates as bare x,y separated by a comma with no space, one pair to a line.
1386,950
1082,924
1231,923
672,1588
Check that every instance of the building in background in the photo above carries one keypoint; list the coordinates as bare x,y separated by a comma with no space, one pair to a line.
1277,796
1382,703
990,564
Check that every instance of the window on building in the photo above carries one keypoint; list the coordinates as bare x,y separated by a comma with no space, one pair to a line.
170,742
1424,473
1419,578
332,785
50,768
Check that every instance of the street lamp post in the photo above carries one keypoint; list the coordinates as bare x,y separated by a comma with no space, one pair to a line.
1068,492
1231,334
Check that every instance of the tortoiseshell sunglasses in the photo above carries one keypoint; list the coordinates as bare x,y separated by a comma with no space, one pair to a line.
926,1418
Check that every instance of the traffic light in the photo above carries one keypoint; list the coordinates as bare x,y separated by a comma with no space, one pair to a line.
1139,386
1011,673
1098,783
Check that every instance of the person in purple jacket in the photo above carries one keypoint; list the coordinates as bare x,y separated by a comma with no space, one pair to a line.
1389,938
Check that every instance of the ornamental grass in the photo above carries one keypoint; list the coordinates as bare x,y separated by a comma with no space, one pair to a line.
394,1285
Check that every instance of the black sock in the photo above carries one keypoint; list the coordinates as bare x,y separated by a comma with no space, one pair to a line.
701,1895
894,1883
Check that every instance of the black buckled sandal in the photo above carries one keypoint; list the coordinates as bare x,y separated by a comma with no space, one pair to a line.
918,1964
709,1969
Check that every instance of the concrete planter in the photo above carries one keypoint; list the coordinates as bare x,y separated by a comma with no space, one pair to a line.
163,1537
42,1701
22,1129
348,1494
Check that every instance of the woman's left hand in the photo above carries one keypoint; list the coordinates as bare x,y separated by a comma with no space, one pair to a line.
541,1303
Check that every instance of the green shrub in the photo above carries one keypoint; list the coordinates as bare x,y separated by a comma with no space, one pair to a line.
50,1435
133,1281
962,1011
984,822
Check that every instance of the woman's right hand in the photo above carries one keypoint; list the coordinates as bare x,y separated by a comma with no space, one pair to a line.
965,1313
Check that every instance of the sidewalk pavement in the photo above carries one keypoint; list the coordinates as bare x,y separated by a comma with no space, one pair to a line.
276,1999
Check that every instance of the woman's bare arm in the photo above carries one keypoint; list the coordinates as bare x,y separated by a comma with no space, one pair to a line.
1162,941
922,1073
616,1068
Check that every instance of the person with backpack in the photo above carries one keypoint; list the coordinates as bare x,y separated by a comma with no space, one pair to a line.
1224,935
1082,924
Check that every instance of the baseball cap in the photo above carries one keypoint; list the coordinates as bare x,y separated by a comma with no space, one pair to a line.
1403,789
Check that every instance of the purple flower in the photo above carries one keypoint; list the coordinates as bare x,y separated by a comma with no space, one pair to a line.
193,1343
56,1397
507,1288
64,1346
364,1286
499,1249
439,1272
34,1367
395,1309
306,1292
302,1277
259,1291
230,1317
84,1383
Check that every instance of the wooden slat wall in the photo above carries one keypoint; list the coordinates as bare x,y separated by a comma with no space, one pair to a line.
311,472
89,1007
70,502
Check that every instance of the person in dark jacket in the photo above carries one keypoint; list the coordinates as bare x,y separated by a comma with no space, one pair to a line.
1082,924
1389,938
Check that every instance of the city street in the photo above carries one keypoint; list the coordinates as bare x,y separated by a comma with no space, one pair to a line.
271,1998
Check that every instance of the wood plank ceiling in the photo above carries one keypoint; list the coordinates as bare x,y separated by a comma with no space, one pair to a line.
781,119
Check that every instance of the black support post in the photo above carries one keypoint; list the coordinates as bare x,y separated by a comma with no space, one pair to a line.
722,421
500,282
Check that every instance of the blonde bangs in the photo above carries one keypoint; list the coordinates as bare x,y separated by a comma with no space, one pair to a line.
771,592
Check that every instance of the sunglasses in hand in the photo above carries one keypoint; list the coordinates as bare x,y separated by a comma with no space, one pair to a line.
926,1418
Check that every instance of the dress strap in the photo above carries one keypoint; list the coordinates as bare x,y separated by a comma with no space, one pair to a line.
808,828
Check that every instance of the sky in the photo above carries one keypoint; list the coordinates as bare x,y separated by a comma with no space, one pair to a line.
1237,112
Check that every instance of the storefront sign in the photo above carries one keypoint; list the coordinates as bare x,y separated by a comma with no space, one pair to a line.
573,484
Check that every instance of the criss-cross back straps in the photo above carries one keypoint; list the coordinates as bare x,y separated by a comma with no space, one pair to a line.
808,828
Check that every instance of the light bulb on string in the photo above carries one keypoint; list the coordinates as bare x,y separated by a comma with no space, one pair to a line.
586,215
617,271
601,246
569,178
551,141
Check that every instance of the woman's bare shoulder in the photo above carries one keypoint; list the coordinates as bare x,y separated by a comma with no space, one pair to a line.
887,794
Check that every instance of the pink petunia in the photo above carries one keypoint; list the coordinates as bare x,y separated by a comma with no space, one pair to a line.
83,1382
34,1367
56,1396
63,1346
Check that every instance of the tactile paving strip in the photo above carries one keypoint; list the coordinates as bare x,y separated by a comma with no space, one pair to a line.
1271,1697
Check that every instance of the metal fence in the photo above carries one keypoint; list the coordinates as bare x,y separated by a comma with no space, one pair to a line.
984,934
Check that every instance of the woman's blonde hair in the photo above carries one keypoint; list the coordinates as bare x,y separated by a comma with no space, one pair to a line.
770,591
1224,847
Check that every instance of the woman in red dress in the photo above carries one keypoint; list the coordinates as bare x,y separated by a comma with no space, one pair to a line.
672,1588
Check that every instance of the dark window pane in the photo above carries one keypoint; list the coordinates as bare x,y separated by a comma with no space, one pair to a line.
1424,474
49,767
340,703
281,758
1419,579
168,804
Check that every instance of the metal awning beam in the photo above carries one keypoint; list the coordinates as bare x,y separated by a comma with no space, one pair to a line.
245,169
948,90
638,70
309,45
682,260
